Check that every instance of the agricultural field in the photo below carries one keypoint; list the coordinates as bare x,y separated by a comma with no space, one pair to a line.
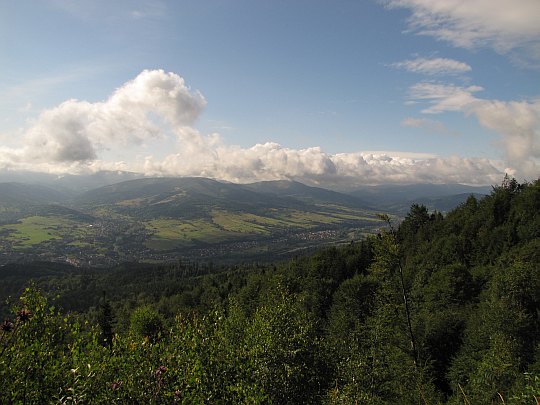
168,233
33,230
229,227
245,222
161,219
114,236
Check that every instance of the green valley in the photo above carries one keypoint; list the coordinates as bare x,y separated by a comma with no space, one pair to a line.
438,309
161,219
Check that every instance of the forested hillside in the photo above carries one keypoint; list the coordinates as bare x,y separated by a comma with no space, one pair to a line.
434,310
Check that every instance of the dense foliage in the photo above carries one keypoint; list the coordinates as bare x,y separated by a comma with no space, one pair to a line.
440,309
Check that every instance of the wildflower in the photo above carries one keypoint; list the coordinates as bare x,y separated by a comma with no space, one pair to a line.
116,385
24,315
7,325
160,371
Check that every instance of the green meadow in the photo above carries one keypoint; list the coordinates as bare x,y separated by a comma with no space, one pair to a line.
168,233
34,230
119,231
226,226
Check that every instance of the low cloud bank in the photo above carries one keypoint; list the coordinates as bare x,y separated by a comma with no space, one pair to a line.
158,109
271,161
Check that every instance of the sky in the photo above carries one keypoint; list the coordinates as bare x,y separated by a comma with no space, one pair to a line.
337,93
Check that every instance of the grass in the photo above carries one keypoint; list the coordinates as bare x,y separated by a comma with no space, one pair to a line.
244,222
282,219
308,220
33,230
225,226
56,233
170,233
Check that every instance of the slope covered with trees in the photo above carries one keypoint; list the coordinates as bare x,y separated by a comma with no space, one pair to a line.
435,310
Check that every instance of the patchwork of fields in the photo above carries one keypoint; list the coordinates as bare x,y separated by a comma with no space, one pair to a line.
162,219
113,237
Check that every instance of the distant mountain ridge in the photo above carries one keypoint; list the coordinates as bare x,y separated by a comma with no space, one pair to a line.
302,192
182,197
193,190
68,183
398,198
161,219
14,194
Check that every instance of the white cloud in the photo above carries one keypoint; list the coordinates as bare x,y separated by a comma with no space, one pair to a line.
146,125
517,122
506,26
140,110
271,161
443,97
434,66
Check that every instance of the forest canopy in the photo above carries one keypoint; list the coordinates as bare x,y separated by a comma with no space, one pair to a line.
438,309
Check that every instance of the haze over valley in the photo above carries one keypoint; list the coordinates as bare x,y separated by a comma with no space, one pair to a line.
160,219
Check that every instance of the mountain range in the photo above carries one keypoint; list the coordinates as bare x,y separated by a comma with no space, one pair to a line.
157,219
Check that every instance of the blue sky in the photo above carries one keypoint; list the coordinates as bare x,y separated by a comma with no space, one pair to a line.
337,93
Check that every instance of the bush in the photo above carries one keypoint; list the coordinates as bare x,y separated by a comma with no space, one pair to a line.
146,323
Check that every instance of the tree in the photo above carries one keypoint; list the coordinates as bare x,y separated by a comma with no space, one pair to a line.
146,322
283,345
388,260
105,321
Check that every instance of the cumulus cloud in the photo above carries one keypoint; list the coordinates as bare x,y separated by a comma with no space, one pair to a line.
517,122
433,66
505,26
271,161
140,110
150,121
